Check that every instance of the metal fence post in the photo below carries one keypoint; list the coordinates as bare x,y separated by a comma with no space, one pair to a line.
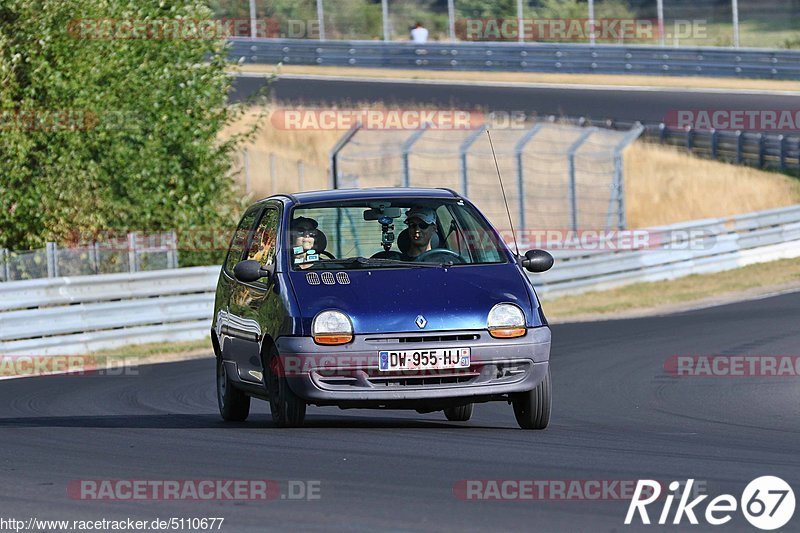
385,17
618,185
739,146
590,14
51,251
714,143
172,252
96,256
520,175
6,264
246,165
253,31
782,143
573,195
132,266
462,159
273,173
301,175
690,138
762,149
407,145
341,143
321,20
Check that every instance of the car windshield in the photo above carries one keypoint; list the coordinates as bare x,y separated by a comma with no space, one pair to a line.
391,234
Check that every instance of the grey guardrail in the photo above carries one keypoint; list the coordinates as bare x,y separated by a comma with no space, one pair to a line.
525,57
82,314
674,251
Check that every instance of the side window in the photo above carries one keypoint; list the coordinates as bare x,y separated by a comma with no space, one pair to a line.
447,224
263,245
239,240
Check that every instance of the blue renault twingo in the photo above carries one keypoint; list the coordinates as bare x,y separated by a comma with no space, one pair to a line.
395,298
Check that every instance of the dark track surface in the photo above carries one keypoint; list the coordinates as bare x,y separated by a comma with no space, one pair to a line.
616,416
628,105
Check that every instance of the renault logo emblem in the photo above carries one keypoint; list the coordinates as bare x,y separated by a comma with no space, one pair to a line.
420,321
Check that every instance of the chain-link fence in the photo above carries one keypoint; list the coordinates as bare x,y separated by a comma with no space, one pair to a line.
747,23
555,175
263,172
132,252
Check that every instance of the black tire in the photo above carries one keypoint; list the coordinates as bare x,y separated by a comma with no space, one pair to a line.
462,413
532,408
234,405
288,410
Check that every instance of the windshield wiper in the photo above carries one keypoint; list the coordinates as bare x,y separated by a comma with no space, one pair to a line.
379,261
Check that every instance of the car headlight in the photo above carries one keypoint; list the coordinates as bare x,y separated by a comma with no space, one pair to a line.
332,327
506,321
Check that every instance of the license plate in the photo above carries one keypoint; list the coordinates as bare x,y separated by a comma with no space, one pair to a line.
432,359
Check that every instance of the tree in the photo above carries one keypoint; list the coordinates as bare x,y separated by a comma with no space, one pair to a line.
102,132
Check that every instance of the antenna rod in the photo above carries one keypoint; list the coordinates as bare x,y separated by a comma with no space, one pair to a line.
508,211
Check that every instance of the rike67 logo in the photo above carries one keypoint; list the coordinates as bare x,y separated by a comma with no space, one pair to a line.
767,503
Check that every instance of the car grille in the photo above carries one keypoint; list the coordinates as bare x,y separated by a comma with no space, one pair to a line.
373,379
423,338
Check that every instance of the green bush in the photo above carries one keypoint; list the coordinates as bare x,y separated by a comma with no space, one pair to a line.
143,152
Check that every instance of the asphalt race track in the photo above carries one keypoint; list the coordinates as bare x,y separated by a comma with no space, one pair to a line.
626,105
617,416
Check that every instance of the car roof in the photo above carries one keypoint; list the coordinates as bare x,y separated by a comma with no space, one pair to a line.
369,194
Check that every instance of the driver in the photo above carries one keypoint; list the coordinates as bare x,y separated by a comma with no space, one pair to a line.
303,233
421,222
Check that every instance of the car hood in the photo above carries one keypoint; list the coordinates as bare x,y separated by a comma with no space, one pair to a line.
389,300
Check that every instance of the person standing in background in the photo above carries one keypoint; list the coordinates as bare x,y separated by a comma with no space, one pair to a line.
419,34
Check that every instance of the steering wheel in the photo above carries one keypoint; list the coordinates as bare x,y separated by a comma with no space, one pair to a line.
327,254
450,254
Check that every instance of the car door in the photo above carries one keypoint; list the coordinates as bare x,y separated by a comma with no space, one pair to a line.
227,282
255,308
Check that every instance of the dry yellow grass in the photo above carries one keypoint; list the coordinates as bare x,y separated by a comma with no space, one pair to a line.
665,185
288,147
533,77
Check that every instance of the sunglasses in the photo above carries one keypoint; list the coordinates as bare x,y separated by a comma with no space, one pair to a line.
420,225
306,233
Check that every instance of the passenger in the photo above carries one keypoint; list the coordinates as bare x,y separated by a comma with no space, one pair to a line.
304,234
421,222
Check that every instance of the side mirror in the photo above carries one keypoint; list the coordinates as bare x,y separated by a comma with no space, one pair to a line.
537,261
249,270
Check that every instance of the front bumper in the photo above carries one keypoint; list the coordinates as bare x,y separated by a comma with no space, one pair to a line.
348,375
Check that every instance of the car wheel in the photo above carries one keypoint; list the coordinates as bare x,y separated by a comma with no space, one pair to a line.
532,408
288,410
462,413
234,405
